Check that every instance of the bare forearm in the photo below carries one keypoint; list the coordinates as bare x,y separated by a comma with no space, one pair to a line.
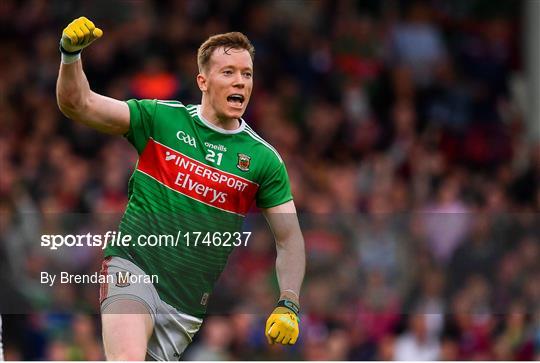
290,266
291,257
72,90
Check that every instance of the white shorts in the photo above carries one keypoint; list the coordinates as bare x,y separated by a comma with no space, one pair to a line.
173,330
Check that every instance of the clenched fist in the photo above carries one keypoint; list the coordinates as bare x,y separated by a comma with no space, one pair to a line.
79,34
282,325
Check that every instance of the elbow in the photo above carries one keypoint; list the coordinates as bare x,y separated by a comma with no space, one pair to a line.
69,104
68,110
64,107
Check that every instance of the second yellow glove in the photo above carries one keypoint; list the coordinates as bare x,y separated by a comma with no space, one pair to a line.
282,325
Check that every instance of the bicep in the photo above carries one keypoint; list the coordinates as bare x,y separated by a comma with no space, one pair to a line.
106,114
287,207
282,220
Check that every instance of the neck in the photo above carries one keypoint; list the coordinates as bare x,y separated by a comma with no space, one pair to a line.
211,116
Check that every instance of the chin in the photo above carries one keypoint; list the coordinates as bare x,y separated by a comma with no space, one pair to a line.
235,114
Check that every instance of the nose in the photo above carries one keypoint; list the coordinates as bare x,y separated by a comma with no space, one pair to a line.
239,81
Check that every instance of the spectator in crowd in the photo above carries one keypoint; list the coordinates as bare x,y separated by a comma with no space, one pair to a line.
417,343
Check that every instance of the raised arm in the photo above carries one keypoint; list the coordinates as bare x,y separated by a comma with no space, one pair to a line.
75,98
282,325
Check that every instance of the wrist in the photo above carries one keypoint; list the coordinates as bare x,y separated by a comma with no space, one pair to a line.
291,295
67,51
69,57
294,307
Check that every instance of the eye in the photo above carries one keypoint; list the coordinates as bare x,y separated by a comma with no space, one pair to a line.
227,72
247,74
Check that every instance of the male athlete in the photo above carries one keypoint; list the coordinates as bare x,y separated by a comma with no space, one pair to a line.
200,168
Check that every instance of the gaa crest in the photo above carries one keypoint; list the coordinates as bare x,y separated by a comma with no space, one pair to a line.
243,162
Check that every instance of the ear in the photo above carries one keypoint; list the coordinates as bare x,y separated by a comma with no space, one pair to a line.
201,82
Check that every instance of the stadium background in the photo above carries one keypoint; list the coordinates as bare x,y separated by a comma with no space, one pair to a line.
410,143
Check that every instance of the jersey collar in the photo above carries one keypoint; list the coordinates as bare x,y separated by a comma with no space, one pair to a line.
219,129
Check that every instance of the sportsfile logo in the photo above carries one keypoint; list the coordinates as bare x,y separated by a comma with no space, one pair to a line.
186,138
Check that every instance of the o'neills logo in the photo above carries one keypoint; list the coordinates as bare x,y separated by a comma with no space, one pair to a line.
197,180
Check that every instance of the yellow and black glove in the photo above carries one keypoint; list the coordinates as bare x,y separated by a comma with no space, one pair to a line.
282,325
79,34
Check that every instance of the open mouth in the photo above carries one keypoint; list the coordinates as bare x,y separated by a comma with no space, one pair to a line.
236,99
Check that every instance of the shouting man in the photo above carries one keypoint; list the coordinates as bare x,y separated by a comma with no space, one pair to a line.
200,168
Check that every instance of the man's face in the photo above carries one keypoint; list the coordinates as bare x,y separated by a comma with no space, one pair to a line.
227,82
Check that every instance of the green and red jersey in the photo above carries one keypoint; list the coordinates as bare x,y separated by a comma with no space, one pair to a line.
192,176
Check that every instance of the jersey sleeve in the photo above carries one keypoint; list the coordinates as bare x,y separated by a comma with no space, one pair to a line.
275,188
141,122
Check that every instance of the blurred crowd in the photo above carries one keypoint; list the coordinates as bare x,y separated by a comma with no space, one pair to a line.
403,130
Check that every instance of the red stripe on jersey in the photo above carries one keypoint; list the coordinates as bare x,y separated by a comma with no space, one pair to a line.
197,180
104,288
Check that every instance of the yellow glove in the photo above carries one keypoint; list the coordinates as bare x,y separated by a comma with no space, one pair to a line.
79,34
282,325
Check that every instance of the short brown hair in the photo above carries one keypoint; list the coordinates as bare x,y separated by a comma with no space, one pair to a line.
232,40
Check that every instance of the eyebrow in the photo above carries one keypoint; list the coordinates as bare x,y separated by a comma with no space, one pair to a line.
232,66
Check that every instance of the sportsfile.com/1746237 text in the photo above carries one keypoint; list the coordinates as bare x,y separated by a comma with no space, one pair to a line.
114,238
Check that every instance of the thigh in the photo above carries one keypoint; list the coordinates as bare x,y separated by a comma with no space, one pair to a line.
128,309
167,332
173,332
126,327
